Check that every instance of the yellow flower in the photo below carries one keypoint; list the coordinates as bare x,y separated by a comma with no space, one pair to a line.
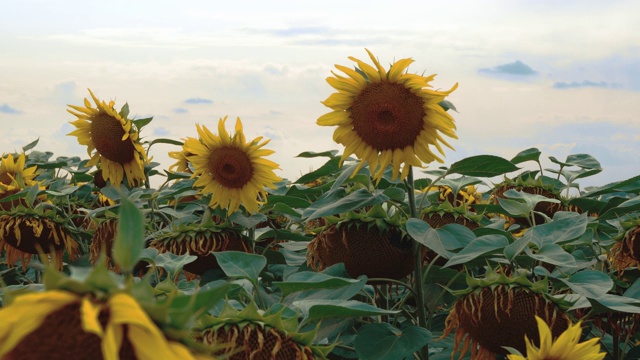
112,142
387,117
61,323
231,169
566,346
182,165
13,175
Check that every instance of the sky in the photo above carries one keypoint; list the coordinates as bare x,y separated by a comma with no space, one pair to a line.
561,76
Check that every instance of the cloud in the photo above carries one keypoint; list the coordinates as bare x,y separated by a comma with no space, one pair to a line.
197,100
515,68
8,109
180,110
584,83
160,131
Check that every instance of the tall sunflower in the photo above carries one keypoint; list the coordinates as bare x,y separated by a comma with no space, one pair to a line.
57,324
387,117
231,169
566,347
112,141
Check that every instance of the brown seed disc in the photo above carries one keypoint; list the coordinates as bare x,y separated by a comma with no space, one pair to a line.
503,317
31,240
388,116
106,135
231,167
102,241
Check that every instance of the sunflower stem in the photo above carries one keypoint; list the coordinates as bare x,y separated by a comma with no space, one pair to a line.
417,271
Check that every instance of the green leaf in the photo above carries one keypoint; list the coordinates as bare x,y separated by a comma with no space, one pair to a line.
589,283
140,123
291,201
129,241
124,111
447,105
30,145
566,226
247,221
32,195
443,240
553,254
531,154
610,302
481,246
172,263
311,154
382,341
335,202
395,194
318,309
166,141
624,208
310,285
237,264
483,166
514,207
330,167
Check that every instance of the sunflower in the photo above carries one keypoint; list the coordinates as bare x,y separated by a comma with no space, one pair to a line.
182,163
387,117
115,139
28,232
252,334
58,324
566,347
231,169
625,253
498,311
14,177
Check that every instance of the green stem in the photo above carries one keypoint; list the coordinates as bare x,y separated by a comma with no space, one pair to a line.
417,271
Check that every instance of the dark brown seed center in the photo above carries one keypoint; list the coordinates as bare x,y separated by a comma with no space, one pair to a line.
231,167
387,116
106,134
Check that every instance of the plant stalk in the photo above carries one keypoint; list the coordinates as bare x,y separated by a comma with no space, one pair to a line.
417,271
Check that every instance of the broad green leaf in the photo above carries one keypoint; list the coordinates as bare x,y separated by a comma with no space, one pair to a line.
294,202
459,183
166,141
140,123
335,202
30,145
634,290
330,167
483,166
624,208
32,195
566,226
610,302
306,280
247,221
479,247
319,309
129,242
346,173
552,254
395,194
515,207
629,185
172,263
111,192
515,248
239,264
382,341
311,154
584,161
589,283
184,308
531,154
124,111
443,240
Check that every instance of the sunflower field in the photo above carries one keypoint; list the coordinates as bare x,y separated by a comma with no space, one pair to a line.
380,253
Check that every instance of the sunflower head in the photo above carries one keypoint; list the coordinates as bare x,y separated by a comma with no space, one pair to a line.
182,163
14,176
467,196
112,140
387,117
625,252
368,243
25,232
566,346
200,240
252,334
499,311
231,169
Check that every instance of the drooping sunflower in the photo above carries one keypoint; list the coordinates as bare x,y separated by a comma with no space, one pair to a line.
252,334
499,311
566,347
58,324
387,117
625,253
27,232
112,140
14,177
182,163
231,169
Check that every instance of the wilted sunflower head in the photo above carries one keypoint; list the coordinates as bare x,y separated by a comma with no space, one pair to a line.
567,346
182,163
27,232
112,141
252,334
231,169
625,253
387,117
499,311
